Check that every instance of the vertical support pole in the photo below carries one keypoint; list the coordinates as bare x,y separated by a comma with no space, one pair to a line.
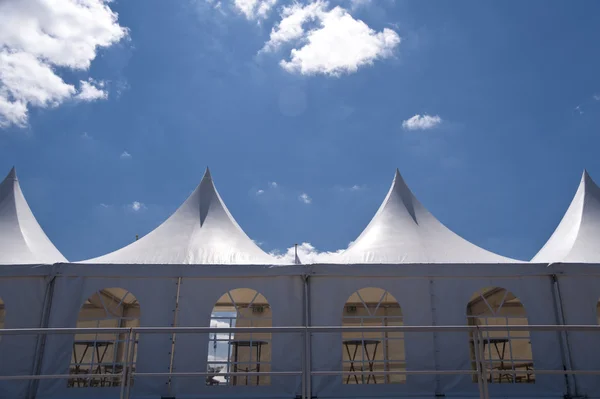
565,348
304,368
40,344
436,359
307,338
173,336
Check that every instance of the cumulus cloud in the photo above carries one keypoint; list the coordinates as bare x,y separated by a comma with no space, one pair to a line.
335,44
421,122
137,206
125,155
596,97
273,184
304,198
91,91
307,254
254,9
39,36
259,192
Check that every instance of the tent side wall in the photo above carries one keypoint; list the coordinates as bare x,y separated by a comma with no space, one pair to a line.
579,287
441,299
427,295
157,298
23,296
197,299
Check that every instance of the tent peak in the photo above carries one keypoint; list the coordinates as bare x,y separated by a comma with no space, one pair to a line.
12,174
574,239
207,174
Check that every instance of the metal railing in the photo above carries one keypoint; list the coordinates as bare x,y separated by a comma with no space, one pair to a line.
129,372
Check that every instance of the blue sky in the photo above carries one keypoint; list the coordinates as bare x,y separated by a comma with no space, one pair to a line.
515,85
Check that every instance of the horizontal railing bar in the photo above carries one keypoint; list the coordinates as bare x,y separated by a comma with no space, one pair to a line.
300,329
295,373
391,372
59,376
199,373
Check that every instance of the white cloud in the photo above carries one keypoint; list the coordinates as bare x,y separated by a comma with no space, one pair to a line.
596,97
356,187
259,192
579,110
137,206
91,91
338,44
421,122
103,205
305,198
254,9
307,254
273,184
125,155
36,37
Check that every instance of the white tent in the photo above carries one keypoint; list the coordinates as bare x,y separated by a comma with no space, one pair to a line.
201,231
404,231
22,240
577,237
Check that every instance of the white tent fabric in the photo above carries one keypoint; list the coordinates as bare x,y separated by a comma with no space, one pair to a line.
201,231
22,240
404,231
577,237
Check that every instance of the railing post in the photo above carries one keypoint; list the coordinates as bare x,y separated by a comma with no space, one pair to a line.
480,350
478,363
130,354
125,371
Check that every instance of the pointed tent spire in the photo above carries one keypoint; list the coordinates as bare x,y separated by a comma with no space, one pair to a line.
577,237
404,231
22,240
201,231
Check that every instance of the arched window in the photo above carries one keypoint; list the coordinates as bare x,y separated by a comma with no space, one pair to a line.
231,354
368,352
103,353
507,355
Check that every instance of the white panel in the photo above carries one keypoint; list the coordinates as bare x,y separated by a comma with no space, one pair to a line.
580,295
157,303
197,299
24,301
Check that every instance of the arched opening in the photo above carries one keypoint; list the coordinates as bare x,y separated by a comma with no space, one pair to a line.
507,355
229,354
373,357
103,353
598,311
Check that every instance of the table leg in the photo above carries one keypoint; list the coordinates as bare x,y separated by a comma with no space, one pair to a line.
351,358
258,353
371,362
235,361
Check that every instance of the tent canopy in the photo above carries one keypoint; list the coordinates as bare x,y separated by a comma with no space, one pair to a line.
577,237
201,231
404,231
22,240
